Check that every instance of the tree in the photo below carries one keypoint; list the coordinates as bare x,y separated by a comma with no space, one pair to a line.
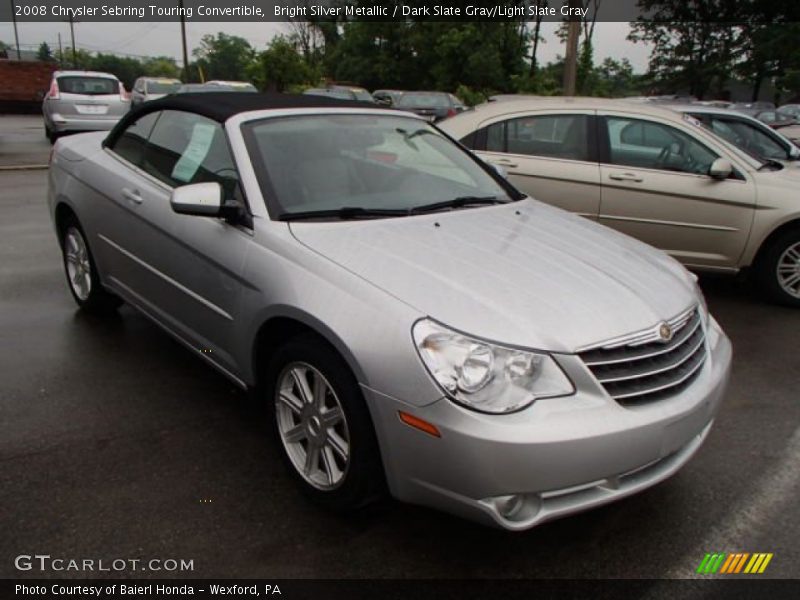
281,67
127,69
161,66
224,56
44,53
695,44
614,79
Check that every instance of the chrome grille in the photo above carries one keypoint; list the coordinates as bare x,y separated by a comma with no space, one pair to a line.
641,368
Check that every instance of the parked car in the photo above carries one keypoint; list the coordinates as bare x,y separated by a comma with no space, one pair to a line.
787,125
342,92
231,86
409,318
386,97
749,134
202,88
792,110
152,88
752,108
714,103
434,106
330,93
651,173
83,101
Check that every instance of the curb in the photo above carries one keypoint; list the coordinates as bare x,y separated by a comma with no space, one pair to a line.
24,168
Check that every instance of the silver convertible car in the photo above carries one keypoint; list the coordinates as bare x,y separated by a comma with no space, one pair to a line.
413,323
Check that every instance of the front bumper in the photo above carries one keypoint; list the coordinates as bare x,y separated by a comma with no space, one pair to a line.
559,456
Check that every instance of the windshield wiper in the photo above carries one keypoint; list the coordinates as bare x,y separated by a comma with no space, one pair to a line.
459,202
344,213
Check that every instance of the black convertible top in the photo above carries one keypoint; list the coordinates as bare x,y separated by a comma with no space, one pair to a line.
220,106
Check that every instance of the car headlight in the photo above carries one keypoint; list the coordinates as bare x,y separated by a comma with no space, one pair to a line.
484,376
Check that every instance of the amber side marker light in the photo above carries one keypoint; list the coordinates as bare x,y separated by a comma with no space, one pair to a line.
418,423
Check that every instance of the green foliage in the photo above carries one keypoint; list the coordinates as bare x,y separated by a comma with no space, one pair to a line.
44,53
281,67
470,97
754,40
125,68
161,66
224,56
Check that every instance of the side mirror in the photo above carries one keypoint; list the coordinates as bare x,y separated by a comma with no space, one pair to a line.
720,169
200,199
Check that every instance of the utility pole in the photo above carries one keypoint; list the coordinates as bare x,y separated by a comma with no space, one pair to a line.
571,58
183,41
16,34
72,33
60,52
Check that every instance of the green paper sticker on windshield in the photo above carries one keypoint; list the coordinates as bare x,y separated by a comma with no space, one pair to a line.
195,153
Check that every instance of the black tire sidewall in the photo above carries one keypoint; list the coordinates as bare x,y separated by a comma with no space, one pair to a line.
766,269
364,480
99,301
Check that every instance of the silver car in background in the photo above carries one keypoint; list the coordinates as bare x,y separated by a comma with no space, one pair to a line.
83,101
152,88
410,319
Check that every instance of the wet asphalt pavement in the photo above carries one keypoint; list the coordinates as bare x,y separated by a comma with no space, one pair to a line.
115,442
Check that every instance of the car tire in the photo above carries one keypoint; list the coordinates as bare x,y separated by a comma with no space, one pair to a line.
326,439
778,269
81,272
50,134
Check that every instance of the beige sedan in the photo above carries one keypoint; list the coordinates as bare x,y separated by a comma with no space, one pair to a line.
650,173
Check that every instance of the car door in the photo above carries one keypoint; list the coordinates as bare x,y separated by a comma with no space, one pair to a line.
185,271
656,187
551,156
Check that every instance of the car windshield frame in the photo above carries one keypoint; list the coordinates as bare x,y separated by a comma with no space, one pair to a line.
278,212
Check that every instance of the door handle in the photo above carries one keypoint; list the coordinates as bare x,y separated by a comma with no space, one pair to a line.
504,162
132,195
625,177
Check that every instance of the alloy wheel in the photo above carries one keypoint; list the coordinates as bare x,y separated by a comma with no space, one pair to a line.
312,426
79,269
788,270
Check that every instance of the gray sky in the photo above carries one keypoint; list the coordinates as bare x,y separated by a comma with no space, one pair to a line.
149,38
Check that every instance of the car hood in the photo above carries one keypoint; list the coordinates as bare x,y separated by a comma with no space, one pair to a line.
523,274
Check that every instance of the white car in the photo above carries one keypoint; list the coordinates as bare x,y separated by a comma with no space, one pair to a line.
152,88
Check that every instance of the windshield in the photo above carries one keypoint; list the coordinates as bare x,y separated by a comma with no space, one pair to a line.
423,100
750,138
340,94
363,95
88,86
376,163
163,87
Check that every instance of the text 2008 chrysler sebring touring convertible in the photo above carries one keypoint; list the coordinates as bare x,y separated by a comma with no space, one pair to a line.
411,320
